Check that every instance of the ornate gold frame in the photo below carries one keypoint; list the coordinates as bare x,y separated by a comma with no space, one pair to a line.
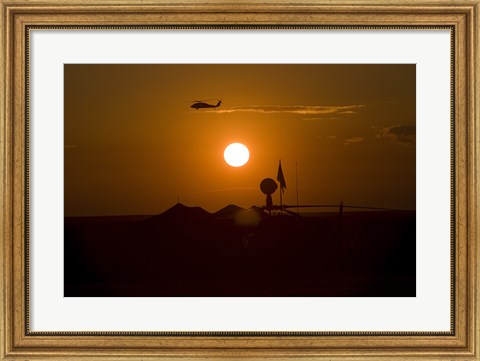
18,342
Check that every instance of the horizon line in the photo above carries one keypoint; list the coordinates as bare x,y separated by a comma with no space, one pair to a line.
368,209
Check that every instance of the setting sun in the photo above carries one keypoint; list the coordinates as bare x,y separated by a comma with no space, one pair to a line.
236,155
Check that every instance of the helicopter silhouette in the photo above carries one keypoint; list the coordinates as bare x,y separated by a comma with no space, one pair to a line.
199,104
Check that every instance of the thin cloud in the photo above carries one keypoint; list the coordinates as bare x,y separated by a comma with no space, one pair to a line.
404,134
329,137
294,109
324,118
353,140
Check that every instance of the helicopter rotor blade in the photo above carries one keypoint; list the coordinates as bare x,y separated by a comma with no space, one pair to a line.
204,100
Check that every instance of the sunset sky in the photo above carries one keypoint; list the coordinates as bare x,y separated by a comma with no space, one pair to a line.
133,145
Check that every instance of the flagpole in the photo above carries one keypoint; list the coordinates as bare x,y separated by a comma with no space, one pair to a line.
296,181
283,185
281,202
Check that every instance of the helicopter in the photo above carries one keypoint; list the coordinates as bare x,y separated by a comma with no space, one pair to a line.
198,104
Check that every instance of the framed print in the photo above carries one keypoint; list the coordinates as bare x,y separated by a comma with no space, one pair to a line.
210,240
204,180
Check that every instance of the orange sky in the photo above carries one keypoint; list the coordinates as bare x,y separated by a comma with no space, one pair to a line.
133,145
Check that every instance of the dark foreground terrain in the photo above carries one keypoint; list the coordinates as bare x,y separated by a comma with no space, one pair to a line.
234,252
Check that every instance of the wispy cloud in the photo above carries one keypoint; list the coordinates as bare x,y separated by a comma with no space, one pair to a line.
349,141
325,117
329,137
403,134
294,109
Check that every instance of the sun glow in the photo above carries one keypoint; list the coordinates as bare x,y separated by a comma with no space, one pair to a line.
236,155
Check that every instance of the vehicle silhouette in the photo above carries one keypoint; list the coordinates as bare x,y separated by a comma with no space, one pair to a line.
200,104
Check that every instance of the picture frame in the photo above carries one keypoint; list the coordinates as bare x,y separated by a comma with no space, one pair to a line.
19,342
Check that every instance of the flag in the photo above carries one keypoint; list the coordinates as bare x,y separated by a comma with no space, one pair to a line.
280,177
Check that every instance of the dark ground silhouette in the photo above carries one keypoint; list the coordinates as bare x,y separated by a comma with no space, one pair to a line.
187,251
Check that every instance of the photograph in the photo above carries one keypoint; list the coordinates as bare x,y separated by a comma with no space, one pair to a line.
239,180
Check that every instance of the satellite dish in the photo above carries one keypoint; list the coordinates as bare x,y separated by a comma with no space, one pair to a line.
268,186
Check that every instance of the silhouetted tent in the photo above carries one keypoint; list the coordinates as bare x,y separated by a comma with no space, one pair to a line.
228,212
181,212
